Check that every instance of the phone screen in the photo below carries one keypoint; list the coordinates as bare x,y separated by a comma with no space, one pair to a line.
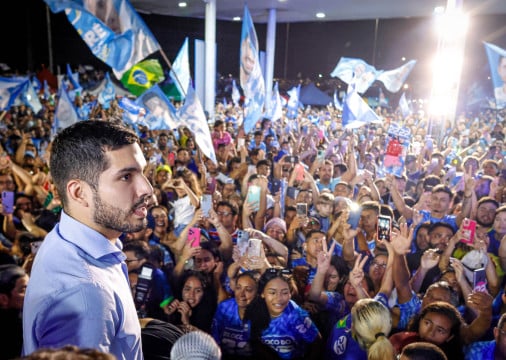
384,227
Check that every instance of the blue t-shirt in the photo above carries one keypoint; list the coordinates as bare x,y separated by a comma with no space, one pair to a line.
229,331
290,333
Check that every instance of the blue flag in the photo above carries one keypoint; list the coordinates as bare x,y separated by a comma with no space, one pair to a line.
236,96
394,79
404,106
30,97
276,110
180,71
356,70
252,81
192,115
65,113
133,114
161,114
292,104
356,112
108,93
10,89
497,62
113,31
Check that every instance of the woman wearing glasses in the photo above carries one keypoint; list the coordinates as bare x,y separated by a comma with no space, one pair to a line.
279,327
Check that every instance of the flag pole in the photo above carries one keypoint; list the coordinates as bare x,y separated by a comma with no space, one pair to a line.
170,66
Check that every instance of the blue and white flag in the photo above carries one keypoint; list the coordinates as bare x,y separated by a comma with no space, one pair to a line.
497,62
236,95
337,104
356,112
180,71
161,114
10,89
292,104
252,81
192,115
30,98
394,79
276,111
404,106
133,114
47,91
357,70
73,79
108,93
65,113
113,30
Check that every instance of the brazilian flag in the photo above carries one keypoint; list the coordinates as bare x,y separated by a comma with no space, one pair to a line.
142,76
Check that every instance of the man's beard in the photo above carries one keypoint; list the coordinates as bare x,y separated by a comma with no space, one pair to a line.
115,218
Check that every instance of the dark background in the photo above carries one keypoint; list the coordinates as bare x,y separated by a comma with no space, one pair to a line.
303,50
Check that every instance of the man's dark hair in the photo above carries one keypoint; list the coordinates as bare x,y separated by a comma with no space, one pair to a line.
78,152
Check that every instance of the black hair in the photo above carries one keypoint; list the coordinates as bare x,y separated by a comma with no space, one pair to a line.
79,152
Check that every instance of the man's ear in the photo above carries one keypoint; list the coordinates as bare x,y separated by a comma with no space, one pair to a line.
79,192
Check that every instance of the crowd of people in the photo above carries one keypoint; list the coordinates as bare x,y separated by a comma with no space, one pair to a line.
274,251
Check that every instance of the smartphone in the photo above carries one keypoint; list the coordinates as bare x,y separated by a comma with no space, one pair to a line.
275,186
8,201
354,215
301,209
254,247
291,192
206,204
321,155
384,227
194,237
299,172
242,241
211,185
468,231
253,196
240,143
479,280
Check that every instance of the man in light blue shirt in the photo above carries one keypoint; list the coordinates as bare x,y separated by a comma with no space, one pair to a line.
79,292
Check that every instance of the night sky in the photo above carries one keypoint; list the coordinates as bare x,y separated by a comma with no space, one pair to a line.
303,50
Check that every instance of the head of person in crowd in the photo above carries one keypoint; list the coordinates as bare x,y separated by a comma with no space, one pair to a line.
326,172
245,285
439,323
343,189
499,226
13,282
471,163
276,229
421,350
422,237
371,324
440,234
162,174
227,214
264,167
490,167
208,257
485,211
325,204
369,216
441,200
482,185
